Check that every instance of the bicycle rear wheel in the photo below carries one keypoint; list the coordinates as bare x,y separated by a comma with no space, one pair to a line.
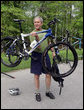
10,55
65,57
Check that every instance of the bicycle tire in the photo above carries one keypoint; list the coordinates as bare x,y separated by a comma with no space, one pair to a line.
5,58
73,64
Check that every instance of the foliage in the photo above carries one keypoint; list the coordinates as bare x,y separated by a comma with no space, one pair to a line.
70,14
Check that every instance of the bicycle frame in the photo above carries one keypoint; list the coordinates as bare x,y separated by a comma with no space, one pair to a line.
77,42
49,33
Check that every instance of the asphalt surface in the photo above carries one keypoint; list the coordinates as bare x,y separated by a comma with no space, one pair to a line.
70,98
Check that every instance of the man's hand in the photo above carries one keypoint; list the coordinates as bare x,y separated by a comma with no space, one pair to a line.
53,54
33,34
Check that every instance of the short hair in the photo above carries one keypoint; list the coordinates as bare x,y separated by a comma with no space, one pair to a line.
39,18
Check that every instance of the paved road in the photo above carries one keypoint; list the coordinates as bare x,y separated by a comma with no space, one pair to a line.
71,97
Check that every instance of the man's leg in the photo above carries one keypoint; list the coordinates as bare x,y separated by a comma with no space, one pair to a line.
37,85
37,82
48,84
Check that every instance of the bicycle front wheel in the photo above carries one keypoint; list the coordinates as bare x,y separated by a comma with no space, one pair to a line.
65,57
10,54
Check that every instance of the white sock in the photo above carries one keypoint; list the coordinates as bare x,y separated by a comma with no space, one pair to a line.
37,91
47,90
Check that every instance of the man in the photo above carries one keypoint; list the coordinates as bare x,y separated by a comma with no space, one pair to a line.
36,65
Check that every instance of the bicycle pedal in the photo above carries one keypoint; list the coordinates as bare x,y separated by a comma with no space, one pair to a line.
26,55
26,58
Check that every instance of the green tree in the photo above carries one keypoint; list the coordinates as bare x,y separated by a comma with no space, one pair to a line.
62,10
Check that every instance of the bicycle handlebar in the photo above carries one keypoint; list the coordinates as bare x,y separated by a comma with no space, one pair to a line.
53,21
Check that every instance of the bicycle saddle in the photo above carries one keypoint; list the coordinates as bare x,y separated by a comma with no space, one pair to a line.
18,20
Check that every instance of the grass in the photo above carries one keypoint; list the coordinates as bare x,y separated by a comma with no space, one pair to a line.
26,64
80,53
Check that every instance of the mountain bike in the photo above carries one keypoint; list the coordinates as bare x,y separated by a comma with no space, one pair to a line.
14,49
76,44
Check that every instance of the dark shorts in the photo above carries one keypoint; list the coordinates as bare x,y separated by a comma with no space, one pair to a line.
36,65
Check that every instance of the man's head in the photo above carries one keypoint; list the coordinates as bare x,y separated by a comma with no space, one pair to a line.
38,22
